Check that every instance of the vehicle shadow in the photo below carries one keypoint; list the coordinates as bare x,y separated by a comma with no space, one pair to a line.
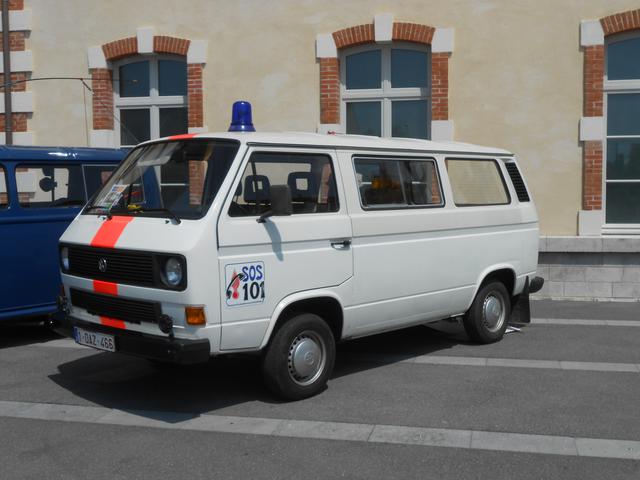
16,333
131,384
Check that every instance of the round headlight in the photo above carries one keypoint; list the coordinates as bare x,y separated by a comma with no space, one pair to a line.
173,271
64,258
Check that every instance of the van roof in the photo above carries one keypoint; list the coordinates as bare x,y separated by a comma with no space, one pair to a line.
82,154
359,142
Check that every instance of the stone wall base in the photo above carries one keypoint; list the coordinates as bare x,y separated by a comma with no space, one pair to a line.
609,272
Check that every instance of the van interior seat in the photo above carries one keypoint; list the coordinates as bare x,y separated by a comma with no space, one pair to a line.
304,191
257,190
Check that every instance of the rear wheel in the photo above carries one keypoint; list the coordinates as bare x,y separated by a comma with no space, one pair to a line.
300,357
487,319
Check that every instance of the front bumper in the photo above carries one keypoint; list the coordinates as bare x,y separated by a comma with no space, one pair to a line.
153,347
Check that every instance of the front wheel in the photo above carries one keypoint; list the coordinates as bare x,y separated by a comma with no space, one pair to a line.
300,357
486,320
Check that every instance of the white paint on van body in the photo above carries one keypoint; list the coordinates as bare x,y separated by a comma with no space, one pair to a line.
403,267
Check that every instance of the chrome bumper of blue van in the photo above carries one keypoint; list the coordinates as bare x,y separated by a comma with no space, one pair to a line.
152,347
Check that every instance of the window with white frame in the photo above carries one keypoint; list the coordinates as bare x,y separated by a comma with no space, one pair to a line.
622,106
150,98
386,90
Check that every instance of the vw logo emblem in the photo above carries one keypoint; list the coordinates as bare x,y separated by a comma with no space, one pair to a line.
102,265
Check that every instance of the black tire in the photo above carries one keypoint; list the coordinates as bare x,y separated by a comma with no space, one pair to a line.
303,344
480,322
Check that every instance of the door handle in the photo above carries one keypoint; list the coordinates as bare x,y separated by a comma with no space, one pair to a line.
343,245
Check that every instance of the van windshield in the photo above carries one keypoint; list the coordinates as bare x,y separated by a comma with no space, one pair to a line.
176,179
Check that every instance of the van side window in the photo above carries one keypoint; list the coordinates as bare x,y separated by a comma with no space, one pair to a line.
50,186
390,183
310,177
4,192
476,182
95,176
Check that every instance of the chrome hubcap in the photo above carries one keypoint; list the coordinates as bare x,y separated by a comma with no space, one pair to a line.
306,358
493,313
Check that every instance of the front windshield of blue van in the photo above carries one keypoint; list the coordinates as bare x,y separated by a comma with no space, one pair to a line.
176,179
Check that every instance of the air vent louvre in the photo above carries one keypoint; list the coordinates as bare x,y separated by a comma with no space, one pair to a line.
518,183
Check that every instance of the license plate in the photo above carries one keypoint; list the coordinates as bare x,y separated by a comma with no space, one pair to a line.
94,339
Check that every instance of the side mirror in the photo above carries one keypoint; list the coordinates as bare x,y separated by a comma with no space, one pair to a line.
280,196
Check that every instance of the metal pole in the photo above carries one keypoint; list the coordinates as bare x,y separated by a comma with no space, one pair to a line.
6,57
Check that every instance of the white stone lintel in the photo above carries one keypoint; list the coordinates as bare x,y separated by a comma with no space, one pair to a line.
21,61
96,58
442,40
18,20
204,129
145,39
102,138
591,33
197,52
21,102
590,223
19,138
442,130
326,46
591,128
325,128
383,27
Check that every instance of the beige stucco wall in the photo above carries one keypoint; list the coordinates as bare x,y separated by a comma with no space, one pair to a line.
515,74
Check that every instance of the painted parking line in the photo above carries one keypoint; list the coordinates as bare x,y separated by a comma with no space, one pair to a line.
69,343
585,322
356,432
449,360
494,362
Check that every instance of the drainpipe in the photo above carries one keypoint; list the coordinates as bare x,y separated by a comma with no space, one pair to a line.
6,57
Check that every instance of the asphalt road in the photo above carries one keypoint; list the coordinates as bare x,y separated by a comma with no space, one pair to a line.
558,399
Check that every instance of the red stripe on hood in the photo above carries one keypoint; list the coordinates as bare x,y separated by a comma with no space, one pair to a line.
183,136
109,232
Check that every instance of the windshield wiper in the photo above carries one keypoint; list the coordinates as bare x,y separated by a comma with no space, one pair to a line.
133,211
92,206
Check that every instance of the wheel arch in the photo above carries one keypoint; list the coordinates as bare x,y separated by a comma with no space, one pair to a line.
323,303
505,273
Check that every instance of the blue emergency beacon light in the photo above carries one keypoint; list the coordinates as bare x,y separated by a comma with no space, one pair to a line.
241,117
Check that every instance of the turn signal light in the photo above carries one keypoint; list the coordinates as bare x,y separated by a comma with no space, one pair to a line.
195,315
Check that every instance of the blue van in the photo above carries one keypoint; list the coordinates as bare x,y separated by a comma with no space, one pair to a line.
41,190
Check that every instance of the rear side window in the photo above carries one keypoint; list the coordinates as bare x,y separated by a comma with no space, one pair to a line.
476,182
395,183
4,196
310,178
50,186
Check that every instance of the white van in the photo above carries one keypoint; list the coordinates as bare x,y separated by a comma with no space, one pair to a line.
286,243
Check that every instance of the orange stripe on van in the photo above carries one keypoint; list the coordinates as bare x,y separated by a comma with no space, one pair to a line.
112,322
110,231
109,288
183,136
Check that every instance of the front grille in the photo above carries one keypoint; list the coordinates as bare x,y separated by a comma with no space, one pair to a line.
135,268
518,183
133,311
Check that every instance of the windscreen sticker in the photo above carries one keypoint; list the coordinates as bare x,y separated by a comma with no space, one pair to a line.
244,283
113,196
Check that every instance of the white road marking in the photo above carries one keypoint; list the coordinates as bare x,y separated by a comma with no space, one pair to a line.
70,343
579,322
496,362
451,360
358,432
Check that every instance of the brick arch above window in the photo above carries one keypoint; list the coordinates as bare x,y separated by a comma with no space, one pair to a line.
145,42
592,128
385,30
